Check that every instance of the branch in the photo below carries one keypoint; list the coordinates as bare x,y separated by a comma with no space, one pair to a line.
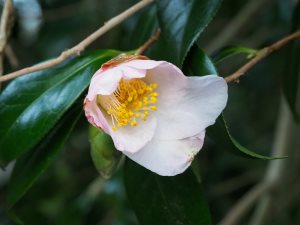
77,49
147,44
261,55
5,28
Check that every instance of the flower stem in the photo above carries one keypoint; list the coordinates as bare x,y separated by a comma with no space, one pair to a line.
261,55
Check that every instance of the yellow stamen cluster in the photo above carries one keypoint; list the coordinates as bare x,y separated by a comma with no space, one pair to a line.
132,100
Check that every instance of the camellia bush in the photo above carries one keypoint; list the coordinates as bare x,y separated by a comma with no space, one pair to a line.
98,129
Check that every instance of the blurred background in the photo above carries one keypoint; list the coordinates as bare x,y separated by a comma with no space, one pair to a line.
72,192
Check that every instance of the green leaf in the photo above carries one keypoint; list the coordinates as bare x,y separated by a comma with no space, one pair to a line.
229,51
182,21
33,164
198,63
162,200
220,134
31,105
291,79
104,154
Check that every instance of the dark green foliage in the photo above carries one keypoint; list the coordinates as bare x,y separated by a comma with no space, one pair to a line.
31,105
182,21
104,154
173,200
31,166
230,51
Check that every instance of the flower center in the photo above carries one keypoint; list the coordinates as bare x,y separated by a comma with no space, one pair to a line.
131,101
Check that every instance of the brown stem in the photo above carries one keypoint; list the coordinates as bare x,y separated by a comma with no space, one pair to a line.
148,43
77,49
261,55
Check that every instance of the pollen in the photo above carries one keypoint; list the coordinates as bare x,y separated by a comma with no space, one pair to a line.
130,103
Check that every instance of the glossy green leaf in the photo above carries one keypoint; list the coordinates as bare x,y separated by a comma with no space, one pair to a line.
33,164
104,154
291,78
31,105
182,21
229,51
162,200
199,64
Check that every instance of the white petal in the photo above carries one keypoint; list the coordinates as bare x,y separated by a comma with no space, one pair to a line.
143,64
132,139
104,82
170,81
129,73
168,157
95,116
186,105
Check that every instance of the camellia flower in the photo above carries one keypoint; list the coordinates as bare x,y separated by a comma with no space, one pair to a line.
154,113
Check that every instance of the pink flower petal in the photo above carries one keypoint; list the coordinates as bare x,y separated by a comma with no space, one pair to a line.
132,139
168,157
186,105
104,82
167,142
95,116
142,64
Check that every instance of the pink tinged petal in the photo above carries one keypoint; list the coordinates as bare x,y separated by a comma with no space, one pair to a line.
186,105
132,139
143,64
104,82
168,157
95,116
129,73
170,80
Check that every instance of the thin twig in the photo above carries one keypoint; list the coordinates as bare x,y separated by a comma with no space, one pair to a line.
77,49
5,28
261,55
147,44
